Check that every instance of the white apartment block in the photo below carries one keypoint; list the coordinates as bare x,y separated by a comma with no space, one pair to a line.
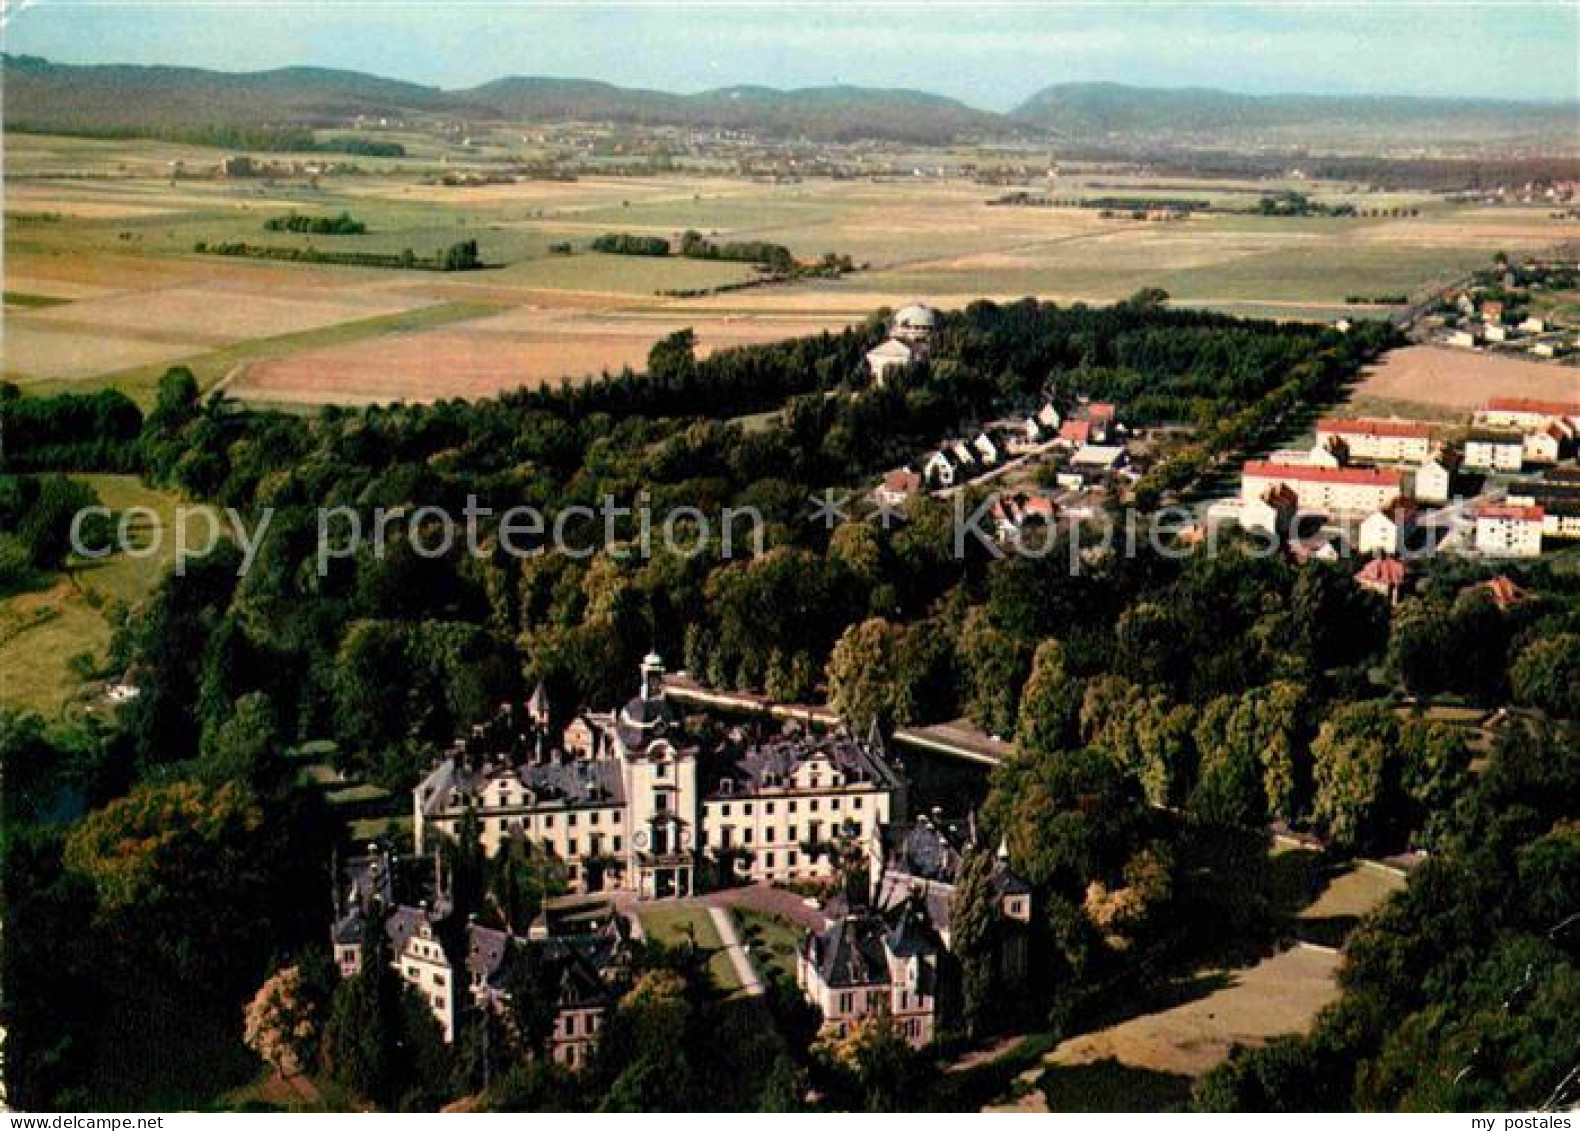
1509,531
1388,441
1342,491
1489,450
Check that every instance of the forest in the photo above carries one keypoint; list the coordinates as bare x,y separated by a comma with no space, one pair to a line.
1165,711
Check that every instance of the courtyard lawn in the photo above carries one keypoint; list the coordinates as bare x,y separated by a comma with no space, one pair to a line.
676,924
770,939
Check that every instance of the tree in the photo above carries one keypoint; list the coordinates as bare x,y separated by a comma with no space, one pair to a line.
45,524
243,747
281,1023
362,1045
973,923
884,1070
522,876
861,675
1546,675
1357,775
673,359
643,1050
1050,703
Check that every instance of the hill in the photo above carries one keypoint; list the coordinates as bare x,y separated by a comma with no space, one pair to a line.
40,95
44,95
1112,113
194,103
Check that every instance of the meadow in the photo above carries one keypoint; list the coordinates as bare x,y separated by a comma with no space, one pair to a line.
104,286
71,613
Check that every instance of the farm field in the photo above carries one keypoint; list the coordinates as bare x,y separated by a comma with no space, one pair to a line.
105,287
1442,383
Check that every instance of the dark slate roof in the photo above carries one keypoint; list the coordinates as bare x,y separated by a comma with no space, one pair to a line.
771,763
643,721
856,949
921,849
571,782
486,951
850,952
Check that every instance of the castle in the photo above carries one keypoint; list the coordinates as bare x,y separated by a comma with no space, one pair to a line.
623,800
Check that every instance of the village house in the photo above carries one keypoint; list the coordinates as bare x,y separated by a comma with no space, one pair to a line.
1391,441
1386,576
1388,531
1344,491
1509,531
616,796
1544,445
1101,414
1093,461
1075,433
1496,333
888,355
939,469
1433,482
1465,339
897,487
1272,514
1491,311
1488,449
1013,512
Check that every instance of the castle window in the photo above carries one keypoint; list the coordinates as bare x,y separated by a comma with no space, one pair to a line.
570,820
768,807
617,844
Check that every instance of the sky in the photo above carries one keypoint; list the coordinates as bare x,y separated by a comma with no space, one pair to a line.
991,54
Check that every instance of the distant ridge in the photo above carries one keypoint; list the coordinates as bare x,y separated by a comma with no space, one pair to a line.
1092,112
42,95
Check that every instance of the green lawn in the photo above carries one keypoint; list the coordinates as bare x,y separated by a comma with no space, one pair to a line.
770,939
41,630
674,925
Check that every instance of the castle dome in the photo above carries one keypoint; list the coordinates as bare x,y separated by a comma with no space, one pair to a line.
647,716
916,317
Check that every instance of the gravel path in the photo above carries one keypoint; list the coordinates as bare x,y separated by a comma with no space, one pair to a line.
745,971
